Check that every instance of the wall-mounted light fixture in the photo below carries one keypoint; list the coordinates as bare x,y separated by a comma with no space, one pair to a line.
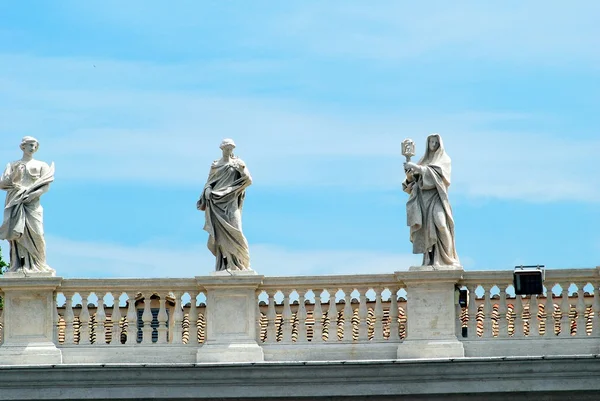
529,280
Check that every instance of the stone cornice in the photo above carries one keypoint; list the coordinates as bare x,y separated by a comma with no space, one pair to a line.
482,376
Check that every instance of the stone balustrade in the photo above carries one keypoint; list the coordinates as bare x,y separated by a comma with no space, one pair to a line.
500,321
129,312
244,318
331,317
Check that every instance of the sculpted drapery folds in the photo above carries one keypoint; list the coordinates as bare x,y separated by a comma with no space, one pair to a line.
429,214
25,181
223,200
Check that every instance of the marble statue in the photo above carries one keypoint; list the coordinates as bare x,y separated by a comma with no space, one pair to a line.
25,181
428,210
222,201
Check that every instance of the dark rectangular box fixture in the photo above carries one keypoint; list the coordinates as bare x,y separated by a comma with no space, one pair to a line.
528,280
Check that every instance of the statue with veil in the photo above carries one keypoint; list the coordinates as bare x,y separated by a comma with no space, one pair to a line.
429,214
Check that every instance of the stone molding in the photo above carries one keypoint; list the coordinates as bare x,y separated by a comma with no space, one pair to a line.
553,378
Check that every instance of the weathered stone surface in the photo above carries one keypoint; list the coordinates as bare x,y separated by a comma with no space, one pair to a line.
222,201
29,336
553,378
231,319
25,181
429,214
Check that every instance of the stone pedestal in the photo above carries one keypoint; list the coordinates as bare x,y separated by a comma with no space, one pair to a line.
231,319
431,314
29,327
429,268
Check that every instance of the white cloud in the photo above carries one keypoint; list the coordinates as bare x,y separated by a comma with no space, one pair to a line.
165,138
533,32
72,258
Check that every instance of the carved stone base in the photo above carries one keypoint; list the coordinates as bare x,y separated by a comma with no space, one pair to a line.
30,354
26,273
225,273
433,268
236,352
29,329
417,349
231,315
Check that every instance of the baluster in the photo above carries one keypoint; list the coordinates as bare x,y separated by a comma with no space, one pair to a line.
526,314
549,311
301,315
487,311
271,318
472,323
193,316
318,317
332,314
100,322
378,333
518,317
115,317
589,311
162,317
502,311
565,308
348,314
394,326
534,316
84,320
286,325
69,317
177,337
147,319
581,309
132,326
363,314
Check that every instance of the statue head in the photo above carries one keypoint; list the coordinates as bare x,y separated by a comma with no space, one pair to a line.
434,151
434,142
29,145
227,143
227,146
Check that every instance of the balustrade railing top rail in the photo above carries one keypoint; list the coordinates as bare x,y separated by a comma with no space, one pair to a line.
157,284
319,282
502,276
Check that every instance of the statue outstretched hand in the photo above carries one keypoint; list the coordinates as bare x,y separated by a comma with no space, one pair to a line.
411,166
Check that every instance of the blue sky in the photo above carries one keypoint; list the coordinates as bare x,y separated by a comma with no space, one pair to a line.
131,100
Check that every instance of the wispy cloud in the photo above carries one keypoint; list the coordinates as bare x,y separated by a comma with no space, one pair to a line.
533,32
73,258
159,124
287,145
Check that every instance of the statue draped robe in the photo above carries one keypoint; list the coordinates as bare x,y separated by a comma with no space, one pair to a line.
223,212
23,222
429,214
